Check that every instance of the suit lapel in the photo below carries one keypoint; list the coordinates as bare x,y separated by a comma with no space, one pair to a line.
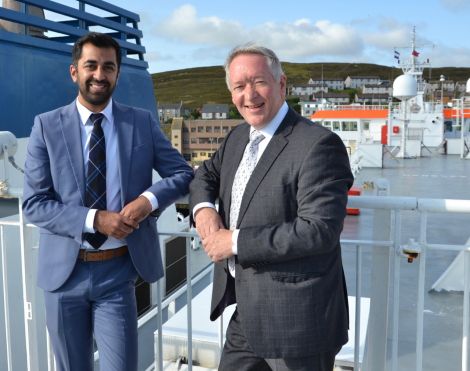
235,156
270,154
70,125
124,124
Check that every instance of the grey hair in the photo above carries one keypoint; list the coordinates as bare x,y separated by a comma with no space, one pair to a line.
252,48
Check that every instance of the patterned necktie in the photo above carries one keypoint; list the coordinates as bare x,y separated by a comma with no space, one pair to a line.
243,174
95,193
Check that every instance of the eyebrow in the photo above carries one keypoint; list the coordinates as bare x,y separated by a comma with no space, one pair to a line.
107,63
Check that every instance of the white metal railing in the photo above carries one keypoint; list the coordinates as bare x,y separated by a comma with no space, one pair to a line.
388,212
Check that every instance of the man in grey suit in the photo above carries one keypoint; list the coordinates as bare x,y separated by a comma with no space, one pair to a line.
88,186
275,237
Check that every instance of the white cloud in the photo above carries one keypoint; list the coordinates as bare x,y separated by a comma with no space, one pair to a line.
300,38
184,25
442,56
191,39
305,39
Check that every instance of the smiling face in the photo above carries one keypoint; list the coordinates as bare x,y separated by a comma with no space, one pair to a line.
95,74
255,92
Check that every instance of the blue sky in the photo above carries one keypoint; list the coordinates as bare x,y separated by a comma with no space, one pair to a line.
183,34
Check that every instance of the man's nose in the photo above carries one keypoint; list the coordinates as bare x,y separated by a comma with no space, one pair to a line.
99,73
251,91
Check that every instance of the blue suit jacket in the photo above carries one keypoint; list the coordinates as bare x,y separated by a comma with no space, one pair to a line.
55,184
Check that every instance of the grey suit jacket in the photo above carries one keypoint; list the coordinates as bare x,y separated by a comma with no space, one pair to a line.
54,187
289,286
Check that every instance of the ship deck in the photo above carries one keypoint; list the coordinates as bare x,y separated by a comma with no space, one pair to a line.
435,176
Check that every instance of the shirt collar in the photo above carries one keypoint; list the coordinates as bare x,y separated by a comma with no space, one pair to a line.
269,130
85,112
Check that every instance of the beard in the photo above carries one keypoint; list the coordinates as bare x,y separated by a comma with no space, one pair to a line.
97,98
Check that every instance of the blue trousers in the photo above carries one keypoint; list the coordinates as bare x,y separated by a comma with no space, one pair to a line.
97,299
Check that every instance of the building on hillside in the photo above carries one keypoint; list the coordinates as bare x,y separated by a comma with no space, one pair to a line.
334,98
372,98
383,88
176,133
197,140
308,108
335,84
167,111
446,85
306,90
211,111
356,82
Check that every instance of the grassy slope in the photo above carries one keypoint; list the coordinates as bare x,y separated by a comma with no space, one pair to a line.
196,86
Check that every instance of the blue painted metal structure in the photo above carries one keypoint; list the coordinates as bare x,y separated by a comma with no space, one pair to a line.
34,72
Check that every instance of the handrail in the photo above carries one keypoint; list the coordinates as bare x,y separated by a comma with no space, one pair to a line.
395,206
78,26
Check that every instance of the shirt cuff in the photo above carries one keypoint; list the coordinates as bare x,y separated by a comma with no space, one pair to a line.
234,241
152,199
90,221
202,205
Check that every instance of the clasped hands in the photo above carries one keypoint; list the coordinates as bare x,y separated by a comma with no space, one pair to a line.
216,239
120,224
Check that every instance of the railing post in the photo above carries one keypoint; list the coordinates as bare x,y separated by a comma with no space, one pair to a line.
420,303
396,290
6,305
376,338
466,309
189,296
159,361
357,315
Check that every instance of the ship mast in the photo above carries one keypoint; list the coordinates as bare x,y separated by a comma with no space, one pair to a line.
415,67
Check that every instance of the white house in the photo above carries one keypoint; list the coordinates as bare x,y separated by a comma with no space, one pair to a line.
212,111
335,84
356,82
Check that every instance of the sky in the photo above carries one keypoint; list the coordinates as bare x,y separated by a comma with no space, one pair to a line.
184,34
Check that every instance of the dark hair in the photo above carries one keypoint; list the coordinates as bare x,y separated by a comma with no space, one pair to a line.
100,40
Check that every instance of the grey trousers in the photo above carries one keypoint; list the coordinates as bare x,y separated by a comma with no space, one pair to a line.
238,356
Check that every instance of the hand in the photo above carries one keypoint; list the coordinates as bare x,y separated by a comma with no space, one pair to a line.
207,221
218,245
138,209
114,224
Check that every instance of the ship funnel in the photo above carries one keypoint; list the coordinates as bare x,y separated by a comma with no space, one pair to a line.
405,87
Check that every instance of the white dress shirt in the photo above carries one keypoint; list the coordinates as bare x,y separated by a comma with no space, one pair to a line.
113,183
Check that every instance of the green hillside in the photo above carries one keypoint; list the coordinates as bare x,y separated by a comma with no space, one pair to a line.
196,86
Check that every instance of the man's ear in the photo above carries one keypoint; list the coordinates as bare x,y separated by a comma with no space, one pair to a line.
73,72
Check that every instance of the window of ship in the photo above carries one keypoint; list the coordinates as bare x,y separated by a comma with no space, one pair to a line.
336,126
349,126
366,125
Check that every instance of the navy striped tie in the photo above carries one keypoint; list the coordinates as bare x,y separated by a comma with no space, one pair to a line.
95,193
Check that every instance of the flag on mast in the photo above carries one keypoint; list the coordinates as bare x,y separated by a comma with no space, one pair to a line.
414,53
397,56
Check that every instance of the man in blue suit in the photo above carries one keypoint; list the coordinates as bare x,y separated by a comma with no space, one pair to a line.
90,256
